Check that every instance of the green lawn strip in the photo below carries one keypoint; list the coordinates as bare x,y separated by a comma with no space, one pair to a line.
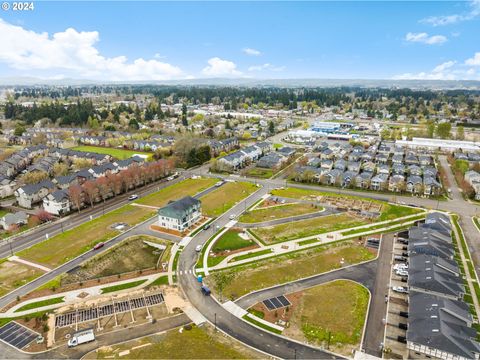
277,146
278,212
124,286
161,280
38,304
476,222
74,242
389,211
120,154
40,314
251,254
225,197
260,324
379,226
463,244
305,228
257,313
53,284
255,203
188,187
175,260
214,260
231,240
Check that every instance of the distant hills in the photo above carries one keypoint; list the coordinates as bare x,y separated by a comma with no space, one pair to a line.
244,82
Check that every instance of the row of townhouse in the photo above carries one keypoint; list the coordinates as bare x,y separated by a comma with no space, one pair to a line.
18,161
276,159
471,157
226,145
439,321
243,157
54,193
140,145
473,178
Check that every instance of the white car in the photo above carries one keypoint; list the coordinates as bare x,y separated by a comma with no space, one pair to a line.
133,197
400,289
232,217
400,267
198,248
401,273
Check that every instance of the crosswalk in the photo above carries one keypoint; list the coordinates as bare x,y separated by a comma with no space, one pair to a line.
185,272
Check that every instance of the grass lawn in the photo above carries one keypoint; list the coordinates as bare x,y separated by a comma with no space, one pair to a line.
72,243
261,325
244,279
252,254
38,304
303,228
14,275
259,173
130,255
3,212
197,343
278,212
231,240
161,280
476,222
389,211
375,227
220,200
124,286
120,154
338,308
188,187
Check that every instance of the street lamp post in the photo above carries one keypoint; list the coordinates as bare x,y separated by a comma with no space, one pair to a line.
215,321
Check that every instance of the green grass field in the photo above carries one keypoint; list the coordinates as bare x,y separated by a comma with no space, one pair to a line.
337,309
129,285
38,304
278,212
375,227
259,173
251,255
244,279
196,343
14,275
120,154
220,200
188,187
72,243
303,228
231,240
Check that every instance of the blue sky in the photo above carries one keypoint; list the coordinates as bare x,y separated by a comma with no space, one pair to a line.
163,40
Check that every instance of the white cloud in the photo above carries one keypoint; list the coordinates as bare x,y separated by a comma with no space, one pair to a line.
454,18
449,70
424,38
75,53
474,61
159,56
266,66
252,52
220,67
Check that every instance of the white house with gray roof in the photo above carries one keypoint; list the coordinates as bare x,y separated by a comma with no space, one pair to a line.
181,214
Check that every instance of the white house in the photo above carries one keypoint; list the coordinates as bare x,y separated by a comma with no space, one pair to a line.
57,203
181,214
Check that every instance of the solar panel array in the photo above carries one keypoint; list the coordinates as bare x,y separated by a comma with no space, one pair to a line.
276,302
94,313
17,335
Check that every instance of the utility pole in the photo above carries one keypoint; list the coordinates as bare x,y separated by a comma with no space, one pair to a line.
215,322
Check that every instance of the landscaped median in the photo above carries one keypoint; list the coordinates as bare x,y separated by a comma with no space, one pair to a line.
124,286
281,211
396,223
42,303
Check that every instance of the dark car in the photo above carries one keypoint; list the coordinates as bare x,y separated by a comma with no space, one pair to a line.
205,290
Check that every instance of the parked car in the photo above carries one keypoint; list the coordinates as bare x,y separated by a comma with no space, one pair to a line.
133,197
99,246
401,273
198,248
400,289
401,266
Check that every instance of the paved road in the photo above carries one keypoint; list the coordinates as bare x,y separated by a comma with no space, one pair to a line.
363,274
24,241
233,326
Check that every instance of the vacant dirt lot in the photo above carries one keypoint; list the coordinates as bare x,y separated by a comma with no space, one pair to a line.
13,275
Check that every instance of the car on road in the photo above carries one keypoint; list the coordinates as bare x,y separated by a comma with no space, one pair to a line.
99,246
170,178
232,217
205,290
400,289
133,197
198,248
206,226
220,183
